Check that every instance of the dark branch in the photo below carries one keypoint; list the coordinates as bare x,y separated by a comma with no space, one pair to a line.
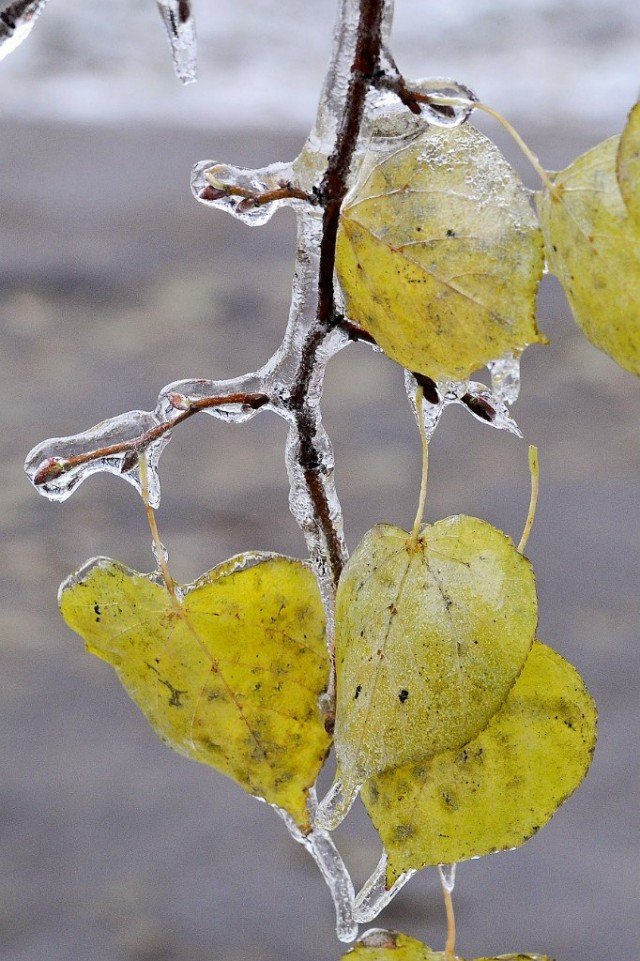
333,191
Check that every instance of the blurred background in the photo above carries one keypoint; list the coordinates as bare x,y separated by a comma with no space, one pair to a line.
113,283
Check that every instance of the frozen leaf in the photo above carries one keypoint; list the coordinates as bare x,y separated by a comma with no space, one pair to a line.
502,786
228,673
439,254
378,945
593,248
431,633
628,163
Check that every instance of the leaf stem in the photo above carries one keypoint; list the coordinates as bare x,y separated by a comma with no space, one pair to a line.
524,147
158,546
450,944
534,471
425,463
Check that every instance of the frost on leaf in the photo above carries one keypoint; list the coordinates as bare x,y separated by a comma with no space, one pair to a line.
379,945
593,248
431,634
439,254
501,787
228,672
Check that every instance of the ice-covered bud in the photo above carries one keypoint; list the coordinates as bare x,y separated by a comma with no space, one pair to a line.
49,469
179,401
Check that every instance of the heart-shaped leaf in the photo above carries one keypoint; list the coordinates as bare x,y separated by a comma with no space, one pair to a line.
378,945
501,787
593,248
431,634
439,254
228,672
628,163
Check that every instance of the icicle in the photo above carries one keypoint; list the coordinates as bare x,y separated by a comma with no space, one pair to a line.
324,852
336,804
57,466
448,876
181,29
488,405
374,895
505,377
433,402
16,23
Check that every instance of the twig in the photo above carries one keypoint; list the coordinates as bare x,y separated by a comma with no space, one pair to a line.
333,190
54,467
252,198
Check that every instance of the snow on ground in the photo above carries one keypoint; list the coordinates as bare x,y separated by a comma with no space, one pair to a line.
262,61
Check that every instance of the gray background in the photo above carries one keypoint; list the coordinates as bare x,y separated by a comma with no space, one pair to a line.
113,282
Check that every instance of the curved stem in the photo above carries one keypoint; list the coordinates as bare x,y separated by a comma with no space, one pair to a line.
425,463
534,471
158,547
526,150
450,945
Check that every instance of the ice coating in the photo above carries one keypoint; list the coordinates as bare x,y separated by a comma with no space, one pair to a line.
57,466
324,852
180,25
16,23
450,102
505,377
447,876
438,101
374,896
291,382
253,196
489,405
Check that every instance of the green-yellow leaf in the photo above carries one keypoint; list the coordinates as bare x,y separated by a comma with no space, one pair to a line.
501,787
628,163
431,634
230,675
439,254
393,946
593,248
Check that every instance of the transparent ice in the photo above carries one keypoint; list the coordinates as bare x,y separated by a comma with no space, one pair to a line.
180,25
324,852
374,895
16,23
290,383
447,876
489,405
52,467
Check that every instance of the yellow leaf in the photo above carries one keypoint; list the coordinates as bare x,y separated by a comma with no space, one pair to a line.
593,248
439,254
230,675
393,946
628,163
431,634
501,787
